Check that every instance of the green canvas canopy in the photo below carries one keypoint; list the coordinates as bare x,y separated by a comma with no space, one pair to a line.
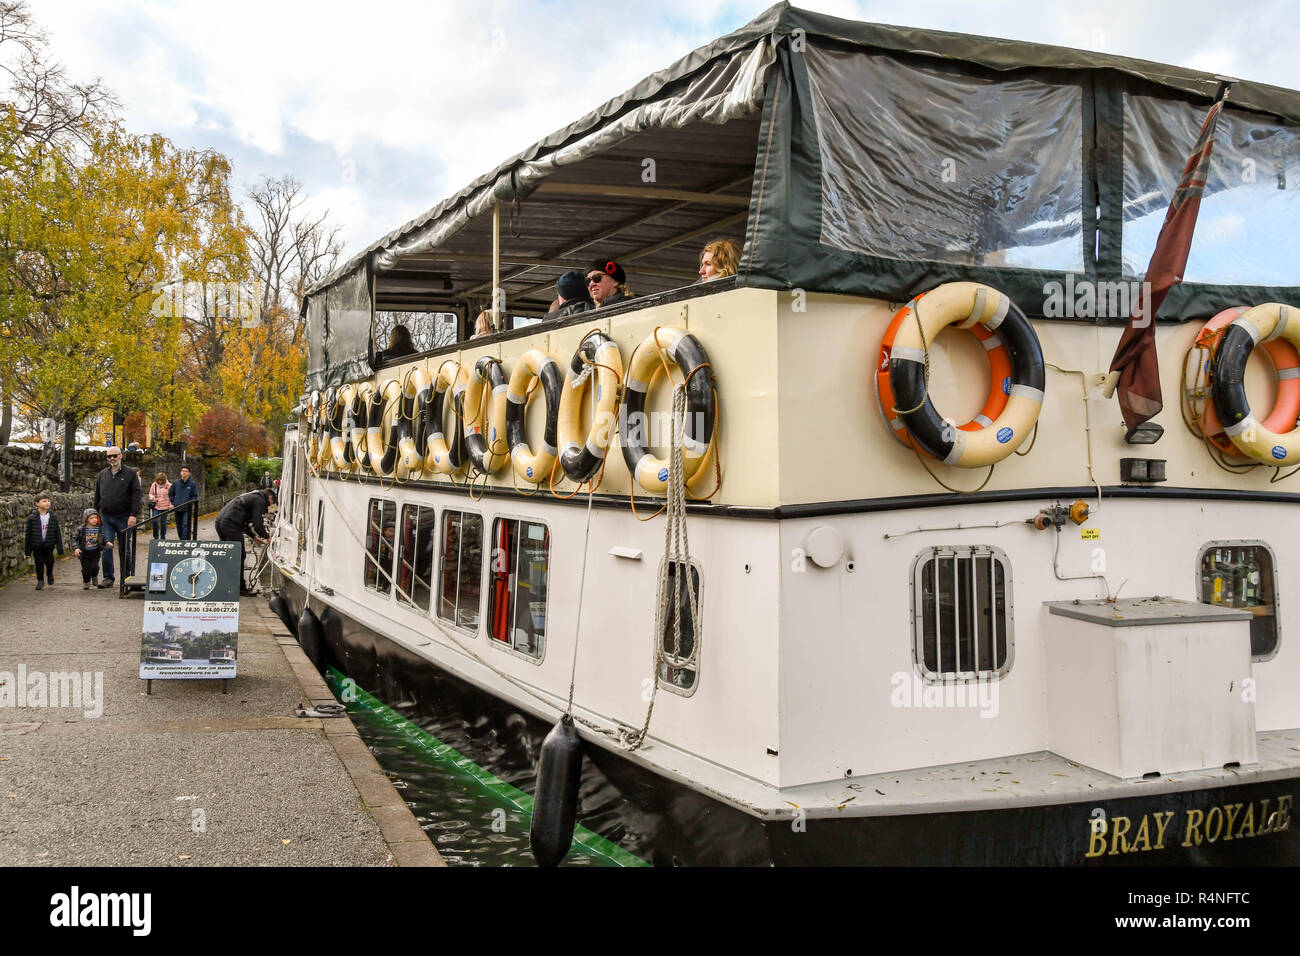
860,159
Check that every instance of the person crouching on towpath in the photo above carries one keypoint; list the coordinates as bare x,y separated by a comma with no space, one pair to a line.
43,536
245,513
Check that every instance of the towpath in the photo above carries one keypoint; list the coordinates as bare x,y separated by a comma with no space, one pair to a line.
187,776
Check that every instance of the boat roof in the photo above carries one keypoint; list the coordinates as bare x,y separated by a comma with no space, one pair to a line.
700,125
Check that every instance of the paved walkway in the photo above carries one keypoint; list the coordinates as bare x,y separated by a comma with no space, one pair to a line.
187,776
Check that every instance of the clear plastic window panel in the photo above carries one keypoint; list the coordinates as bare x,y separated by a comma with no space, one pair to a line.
962,615
380,531
1246,229
461,570
677,666
921,163
1243,575
519,570
320,526
429,330
415,563
348,302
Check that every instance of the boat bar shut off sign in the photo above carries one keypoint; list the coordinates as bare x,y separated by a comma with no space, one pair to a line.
191,610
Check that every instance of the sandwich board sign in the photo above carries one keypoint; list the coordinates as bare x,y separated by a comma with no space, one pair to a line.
191,611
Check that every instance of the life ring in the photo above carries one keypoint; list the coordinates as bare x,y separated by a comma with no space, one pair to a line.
965,303
440,457
484,416
355,425
380,418
1197,383
535,364
597,359
327,411
1255,439
342,426
311,425
686,352
1000,378
410,439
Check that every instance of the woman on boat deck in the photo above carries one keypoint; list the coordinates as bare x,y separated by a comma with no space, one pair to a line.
607,283
718,259
483,325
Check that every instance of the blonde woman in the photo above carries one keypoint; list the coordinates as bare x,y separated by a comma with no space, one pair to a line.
483,325
718,259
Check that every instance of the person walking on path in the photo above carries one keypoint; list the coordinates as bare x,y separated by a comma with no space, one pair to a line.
159,501
89,541
117,499
268,483
44,536
246,512
183,491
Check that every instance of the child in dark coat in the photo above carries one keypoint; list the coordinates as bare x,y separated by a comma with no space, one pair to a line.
44,536
90,541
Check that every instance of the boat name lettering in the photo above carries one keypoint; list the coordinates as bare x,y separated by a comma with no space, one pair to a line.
1191,827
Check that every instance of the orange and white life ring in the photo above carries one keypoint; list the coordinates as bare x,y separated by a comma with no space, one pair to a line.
1198,381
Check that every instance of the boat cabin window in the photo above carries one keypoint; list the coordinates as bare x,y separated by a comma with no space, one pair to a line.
379,545
461,572
1243,574
521,552
961,613
415,565
428,331
679,653
320,526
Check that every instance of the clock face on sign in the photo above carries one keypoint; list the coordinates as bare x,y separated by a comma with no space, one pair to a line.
193,578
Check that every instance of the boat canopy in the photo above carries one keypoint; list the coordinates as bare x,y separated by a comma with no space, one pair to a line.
861,159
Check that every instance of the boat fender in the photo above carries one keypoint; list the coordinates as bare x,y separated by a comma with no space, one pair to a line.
312,638
281,609
596,363
1254,438
555,808
686,352
529,465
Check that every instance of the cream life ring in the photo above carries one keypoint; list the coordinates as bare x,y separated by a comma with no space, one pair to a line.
484,416
1263,323
964,304
685,351
381,430
410,459
439,457
342,451
535,364
355,425
596,362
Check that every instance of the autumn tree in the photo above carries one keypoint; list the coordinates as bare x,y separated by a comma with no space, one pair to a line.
222,432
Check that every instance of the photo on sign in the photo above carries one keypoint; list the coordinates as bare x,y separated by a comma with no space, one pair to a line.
193,639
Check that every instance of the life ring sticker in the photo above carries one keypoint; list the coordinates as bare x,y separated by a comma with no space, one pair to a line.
1279,452
1005,435
1006,385
663,474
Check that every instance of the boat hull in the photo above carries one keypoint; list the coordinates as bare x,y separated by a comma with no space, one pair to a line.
669,823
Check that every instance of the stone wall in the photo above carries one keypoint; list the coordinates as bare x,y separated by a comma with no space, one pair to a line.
31,470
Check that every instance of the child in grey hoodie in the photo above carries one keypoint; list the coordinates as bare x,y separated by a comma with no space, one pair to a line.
90,542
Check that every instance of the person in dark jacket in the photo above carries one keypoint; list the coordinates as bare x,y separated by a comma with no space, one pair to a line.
573,296
607,283
117,499
184,490
245,513
44,537
89,541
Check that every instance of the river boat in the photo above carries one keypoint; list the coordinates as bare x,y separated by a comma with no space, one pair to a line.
847,557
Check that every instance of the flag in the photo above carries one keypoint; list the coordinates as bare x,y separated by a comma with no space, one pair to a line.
1135,357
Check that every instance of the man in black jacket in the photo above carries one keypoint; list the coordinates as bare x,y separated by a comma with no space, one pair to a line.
184,491
43,536
245,512
117,499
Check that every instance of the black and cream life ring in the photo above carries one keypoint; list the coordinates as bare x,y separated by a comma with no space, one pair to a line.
483,416
439,456
685,351
598,363
965,304
383,426
1262,324
535,364
349,410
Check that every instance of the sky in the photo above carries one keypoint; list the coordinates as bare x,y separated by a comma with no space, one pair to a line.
384,108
